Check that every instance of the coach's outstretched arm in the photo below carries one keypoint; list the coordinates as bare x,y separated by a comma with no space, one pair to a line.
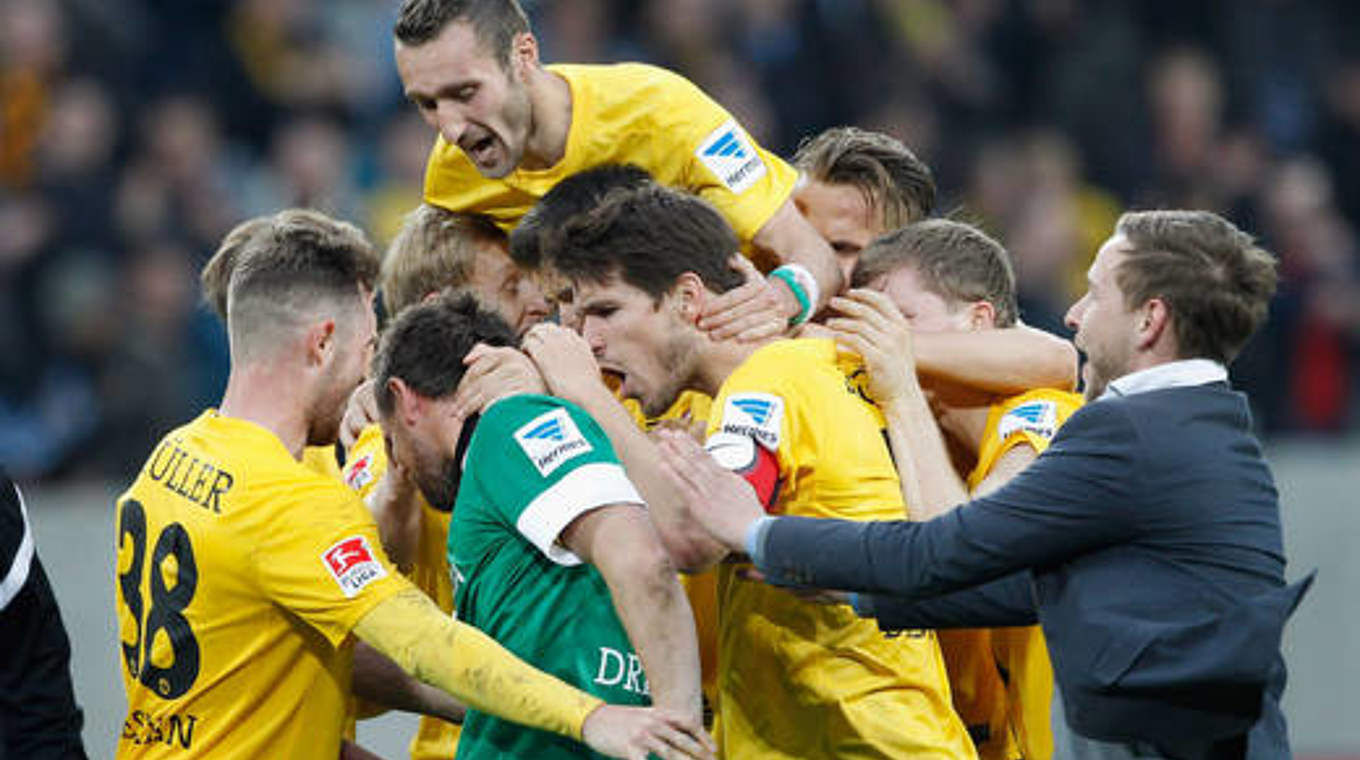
468,664
1069,501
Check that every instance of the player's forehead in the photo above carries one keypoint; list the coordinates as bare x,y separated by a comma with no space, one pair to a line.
910,291
839,209
455,57
612,290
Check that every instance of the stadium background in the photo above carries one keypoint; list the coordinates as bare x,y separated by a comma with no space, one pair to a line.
133,133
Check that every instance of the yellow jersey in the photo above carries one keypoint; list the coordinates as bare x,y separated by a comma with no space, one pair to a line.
367,462
240,573
798,679
1001,678
630,113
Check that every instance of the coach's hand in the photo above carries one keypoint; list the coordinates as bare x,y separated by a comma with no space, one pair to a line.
567,364
753,311
715,497
494,372
872,327
360,412
636,733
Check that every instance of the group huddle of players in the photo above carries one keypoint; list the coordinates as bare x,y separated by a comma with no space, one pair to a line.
576,294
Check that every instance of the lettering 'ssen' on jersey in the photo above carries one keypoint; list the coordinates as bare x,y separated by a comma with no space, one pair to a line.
240,572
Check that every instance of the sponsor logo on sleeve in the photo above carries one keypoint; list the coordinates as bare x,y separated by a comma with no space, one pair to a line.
550,439
729,153
360,473
1037,417
756,416
350,562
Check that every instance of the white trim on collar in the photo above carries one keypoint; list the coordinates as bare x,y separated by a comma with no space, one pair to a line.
1175,374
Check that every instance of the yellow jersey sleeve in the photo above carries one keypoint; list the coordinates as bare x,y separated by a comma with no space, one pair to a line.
1031,418
321,460
367,461
318,554
430,573
638,114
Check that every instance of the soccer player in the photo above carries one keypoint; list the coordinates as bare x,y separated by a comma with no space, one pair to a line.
796,679
859,185
511,128
377,682
434,249
551,549
242,574
946,277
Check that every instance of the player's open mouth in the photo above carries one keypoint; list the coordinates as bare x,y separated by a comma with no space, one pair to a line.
613,378
480,151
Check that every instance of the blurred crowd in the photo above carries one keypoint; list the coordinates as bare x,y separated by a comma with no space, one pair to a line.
134,133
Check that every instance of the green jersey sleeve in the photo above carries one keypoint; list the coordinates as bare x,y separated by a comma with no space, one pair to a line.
546,462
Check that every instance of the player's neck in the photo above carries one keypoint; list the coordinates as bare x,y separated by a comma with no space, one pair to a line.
720,359
550,101
271,399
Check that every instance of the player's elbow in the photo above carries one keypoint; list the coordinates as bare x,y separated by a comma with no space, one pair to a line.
1055,361
693,554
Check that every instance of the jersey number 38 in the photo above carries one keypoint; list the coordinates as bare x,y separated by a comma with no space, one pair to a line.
168,677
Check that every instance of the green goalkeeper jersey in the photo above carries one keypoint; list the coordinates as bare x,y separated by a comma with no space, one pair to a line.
533,465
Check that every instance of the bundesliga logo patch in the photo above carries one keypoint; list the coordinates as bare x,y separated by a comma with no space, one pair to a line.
753,415
1037,417
351,563
550,439
360,473
730,155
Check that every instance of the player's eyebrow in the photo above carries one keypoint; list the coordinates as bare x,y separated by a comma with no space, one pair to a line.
599,306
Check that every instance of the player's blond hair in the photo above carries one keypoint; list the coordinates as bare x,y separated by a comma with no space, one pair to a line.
435,249
215,279
958,262
291,266
896,184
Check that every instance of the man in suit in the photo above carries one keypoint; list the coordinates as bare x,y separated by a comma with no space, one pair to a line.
1146,541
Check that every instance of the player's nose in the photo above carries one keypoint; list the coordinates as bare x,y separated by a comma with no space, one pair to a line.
450,121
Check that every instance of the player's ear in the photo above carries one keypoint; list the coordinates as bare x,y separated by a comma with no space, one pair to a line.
688,296
524,53
320,342
408,405
981,315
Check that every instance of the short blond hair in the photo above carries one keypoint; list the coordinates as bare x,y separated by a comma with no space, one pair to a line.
289,265
435,249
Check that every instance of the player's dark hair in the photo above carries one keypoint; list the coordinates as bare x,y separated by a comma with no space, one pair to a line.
1215,280
291,264
647,237
426,343
576,194
496,22
958,262
893,180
